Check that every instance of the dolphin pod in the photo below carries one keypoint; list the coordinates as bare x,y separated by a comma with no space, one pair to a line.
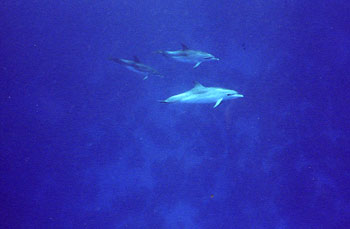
199,93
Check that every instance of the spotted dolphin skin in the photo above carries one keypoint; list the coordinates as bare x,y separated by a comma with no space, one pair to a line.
189,56
202,94
136,66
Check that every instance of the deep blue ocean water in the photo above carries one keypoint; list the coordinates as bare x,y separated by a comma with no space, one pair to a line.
84,142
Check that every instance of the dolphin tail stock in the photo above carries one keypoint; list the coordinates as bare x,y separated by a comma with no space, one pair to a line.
163,101
162,52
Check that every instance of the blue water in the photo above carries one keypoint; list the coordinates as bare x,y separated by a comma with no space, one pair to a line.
84,142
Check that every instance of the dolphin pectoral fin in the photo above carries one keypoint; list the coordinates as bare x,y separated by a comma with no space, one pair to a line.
218,102
146,77
198,63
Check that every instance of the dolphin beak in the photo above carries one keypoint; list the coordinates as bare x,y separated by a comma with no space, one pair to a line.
239,96
216,58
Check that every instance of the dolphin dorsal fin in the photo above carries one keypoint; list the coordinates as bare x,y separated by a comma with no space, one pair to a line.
197,85
184,47
136,59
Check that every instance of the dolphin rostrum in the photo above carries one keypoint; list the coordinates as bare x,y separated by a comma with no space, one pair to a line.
188,55
136,66
202,94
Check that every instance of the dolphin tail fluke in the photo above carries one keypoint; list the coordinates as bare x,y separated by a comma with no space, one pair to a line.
117,60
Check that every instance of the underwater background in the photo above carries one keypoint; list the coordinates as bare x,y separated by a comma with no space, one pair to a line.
84,142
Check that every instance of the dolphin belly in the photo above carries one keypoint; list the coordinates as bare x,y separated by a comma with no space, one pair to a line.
184,59
131,68
198,99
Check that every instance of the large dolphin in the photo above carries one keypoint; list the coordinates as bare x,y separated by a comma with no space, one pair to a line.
201,94
136,66
188,55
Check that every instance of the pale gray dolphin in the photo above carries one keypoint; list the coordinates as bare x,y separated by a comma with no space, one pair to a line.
136,66
189,56
201,94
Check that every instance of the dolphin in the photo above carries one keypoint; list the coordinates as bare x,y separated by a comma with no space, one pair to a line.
188,55
202,94
136,66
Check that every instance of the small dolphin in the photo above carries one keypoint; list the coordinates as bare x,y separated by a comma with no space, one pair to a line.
189,56
136,66
201,94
